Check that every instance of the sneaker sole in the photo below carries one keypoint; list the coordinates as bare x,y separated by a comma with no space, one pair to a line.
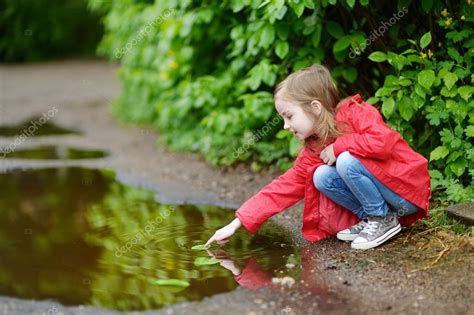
378,241
347,237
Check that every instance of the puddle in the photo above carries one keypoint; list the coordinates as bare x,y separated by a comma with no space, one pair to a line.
80,237
50,152
34,126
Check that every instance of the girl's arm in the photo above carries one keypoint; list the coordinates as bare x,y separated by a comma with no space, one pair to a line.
280,194
372,137
277,196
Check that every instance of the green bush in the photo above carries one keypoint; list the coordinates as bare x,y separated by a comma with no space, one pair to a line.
45,29
428,98
203,72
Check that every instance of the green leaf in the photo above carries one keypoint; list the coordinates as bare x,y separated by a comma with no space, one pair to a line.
458,131
350,3
448,92
335,30
279,14
364,2
449,79
298,8
446,135
453,53
282,48
458,166
342,43
378,56
408,51
405,82
350,74
309,4
171,282
264,3
388,106
469,131
436,174
316,37
434,118
295,146
199,247
267,35
426,78
383,91
425,40
372,100
439,153
417,101
203,261
282,134
453,156
398,61
456,143
419,90
405,108
391,81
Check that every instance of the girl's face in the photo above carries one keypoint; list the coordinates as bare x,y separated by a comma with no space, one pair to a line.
296,120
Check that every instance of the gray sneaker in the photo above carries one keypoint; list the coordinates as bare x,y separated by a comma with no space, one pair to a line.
352,232
377,231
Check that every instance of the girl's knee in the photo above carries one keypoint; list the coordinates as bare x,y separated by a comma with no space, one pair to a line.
344,162
322,175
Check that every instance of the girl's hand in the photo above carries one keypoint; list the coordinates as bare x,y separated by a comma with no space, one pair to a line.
222,235
327,155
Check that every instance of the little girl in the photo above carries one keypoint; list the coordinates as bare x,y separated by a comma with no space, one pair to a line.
358,177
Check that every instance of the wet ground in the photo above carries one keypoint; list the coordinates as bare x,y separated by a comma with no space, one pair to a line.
421,271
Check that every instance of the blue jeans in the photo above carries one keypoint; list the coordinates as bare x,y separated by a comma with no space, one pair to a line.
352,186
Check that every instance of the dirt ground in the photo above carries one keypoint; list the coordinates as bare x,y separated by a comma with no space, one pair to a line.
421,271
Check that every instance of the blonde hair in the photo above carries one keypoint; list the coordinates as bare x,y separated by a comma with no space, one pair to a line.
309,84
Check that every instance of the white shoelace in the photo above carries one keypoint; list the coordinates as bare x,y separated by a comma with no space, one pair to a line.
371,227
360,226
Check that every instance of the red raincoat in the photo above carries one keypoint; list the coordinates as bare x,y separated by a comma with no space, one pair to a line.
378,147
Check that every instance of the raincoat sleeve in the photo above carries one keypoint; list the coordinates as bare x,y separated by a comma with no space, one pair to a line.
275,197
372,137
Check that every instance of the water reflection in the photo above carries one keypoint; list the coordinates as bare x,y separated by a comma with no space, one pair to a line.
50,152
34,126
319,296
80,237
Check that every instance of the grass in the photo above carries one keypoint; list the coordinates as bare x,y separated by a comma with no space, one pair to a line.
440,220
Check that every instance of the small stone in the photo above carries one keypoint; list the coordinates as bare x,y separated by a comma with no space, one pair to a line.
288,281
